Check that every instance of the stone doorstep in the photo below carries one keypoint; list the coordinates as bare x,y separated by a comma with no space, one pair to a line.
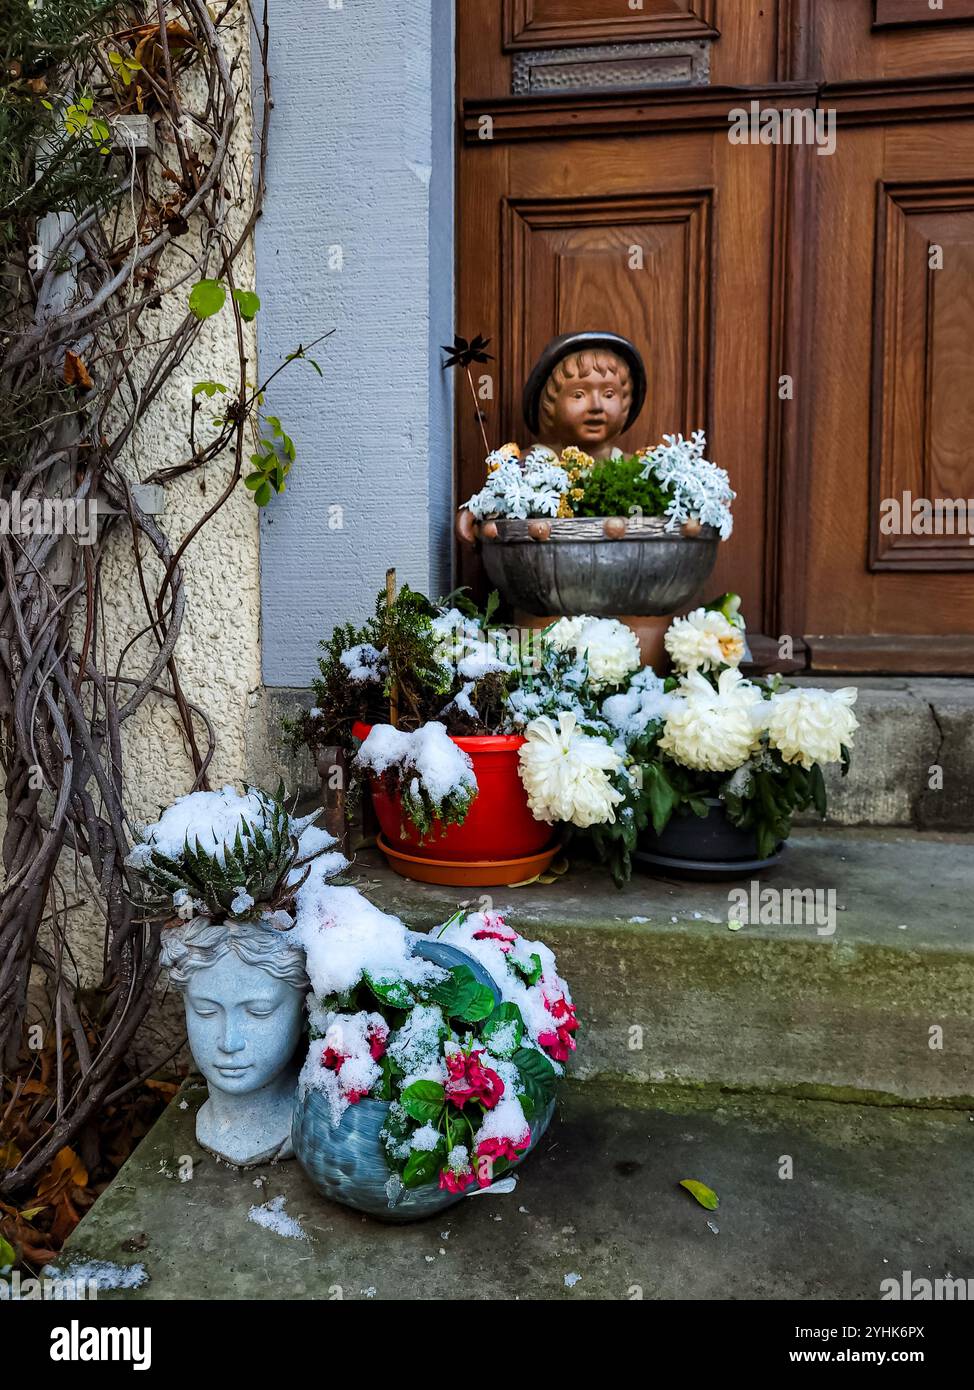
907,726
597,1214
669,994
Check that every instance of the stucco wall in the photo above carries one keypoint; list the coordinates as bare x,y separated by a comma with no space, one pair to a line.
357,237
218,653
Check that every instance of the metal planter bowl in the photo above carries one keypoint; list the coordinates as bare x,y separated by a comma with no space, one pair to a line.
646,571
347,1163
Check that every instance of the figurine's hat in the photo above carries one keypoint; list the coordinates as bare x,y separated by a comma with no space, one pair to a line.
569,343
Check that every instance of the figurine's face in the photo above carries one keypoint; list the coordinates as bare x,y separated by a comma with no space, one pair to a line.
243,1024
589,411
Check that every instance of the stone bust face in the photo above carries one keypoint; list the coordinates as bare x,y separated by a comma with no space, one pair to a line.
586,402
243,986
243,1024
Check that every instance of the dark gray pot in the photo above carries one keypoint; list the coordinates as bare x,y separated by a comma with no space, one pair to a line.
702,847
648,572
347,1163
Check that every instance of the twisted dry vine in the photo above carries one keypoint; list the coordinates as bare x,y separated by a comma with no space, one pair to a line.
83,361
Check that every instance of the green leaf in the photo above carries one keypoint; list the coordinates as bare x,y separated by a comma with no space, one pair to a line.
662,795
423,1101
207,298
7,1254
531,975
537,1075
819,795
500,1022
248,303
394,992
423,1165
263,494
209,388
463,997
704,1195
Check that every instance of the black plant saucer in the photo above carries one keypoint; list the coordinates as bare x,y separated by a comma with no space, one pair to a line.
666,865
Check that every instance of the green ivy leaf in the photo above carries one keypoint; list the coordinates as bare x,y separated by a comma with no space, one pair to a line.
209,388
423,1101
206,298
248,303
7,1254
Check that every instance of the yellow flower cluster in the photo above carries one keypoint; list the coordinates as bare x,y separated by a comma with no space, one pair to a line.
501,455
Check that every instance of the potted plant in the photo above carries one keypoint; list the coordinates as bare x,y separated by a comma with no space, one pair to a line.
716,766
433,1074
634,535
431,703
572,525
227,876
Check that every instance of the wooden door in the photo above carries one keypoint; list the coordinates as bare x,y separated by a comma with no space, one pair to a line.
598,189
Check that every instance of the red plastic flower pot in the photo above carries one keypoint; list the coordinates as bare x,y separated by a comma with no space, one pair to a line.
499,824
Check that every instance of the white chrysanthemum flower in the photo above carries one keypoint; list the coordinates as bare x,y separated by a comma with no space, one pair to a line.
810,726
704,640
566,773
565,633
610,648
714,730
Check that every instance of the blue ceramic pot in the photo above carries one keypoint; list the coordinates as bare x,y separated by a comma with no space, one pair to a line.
347,1162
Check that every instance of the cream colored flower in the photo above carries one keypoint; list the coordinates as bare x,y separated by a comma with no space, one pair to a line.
610,647
714,730
566,773
810,726
704,640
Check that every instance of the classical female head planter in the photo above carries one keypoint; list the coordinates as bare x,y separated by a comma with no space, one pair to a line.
585,390
244,987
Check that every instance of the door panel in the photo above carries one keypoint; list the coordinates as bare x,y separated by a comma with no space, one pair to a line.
682,271
815,313
892,375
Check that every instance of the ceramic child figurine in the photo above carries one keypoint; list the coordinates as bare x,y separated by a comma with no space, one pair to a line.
585,389
244,987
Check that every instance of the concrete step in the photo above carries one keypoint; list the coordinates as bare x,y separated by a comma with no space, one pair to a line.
880,1011
908,726
597,1212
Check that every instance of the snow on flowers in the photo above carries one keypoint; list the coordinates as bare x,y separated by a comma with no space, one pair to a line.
464,1067
672,480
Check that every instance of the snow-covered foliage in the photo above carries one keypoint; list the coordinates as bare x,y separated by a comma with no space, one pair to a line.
229,856
435,777
463,1067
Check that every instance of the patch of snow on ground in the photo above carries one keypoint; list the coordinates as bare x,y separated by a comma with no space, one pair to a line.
102,1273
273,1217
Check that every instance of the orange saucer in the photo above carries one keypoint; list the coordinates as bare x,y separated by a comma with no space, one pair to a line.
485,873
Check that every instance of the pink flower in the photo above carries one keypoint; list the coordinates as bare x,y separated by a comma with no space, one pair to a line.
332,1060
559,1043
377,1035
458,1088
470,1080
496,929
455,1182
353,1097
488,1085
490,1151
